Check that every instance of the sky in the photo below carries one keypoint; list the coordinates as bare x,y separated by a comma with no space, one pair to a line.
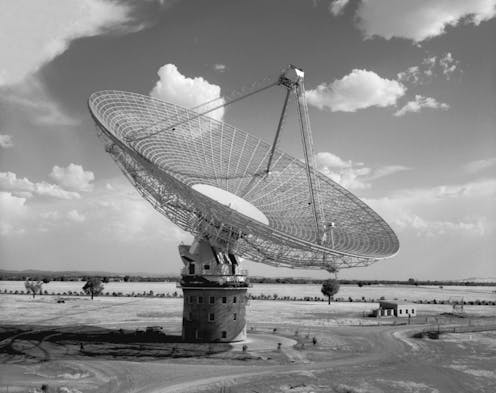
401,94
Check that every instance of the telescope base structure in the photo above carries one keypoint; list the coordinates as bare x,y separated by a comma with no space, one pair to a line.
215,294
217,321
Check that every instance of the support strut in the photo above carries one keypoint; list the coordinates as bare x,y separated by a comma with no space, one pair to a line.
278,131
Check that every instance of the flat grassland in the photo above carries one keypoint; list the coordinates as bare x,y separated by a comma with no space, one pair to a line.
92,346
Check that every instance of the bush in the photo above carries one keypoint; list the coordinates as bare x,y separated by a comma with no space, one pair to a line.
93,287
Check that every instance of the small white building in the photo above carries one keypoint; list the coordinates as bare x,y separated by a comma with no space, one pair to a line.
391,308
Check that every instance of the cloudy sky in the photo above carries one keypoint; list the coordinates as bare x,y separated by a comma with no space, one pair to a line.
402,98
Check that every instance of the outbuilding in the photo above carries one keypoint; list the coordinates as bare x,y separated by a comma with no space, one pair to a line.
395,309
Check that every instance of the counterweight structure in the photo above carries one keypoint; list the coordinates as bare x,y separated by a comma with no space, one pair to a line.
239,196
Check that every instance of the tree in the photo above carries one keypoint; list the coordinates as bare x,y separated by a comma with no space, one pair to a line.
93,287
330,288
33,286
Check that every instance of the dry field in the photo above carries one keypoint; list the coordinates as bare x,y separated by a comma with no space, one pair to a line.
41,344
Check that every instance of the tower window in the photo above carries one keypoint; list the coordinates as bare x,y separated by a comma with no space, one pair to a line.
224,334
200,299
235,299
235,316
224,299
211,300
211,316
206,267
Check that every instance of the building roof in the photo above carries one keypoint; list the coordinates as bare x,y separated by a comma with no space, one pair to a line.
396,303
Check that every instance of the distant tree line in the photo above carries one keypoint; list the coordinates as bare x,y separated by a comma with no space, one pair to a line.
47,277
78,276
361,283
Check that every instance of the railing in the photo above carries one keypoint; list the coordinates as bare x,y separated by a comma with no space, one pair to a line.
239,278
208,273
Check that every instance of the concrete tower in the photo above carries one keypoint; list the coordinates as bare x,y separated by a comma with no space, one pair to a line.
214,290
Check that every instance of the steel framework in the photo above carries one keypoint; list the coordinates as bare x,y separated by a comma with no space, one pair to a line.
164,159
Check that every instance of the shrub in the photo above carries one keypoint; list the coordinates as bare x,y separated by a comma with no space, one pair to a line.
34,287
330,288
93,287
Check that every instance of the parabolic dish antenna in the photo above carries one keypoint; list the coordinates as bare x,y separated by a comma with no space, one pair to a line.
241,194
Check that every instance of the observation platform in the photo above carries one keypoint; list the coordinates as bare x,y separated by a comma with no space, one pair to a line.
240,279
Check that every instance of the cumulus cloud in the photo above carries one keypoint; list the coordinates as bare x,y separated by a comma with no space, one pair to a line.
26,188
336,7
188,92
422,19
386,170
448,64
431,66
350,174
442,209
73,177
12,209
479,165
411,75
346,173
358,90
10,182
419,103
44,30
6,141
53,190
330,160
482,188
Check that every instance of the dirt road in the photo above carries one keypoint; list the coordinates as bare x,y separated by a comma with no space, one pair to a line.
346,358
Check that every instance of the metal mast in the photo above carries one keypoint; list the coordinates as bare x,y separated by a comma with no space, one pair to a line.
292,79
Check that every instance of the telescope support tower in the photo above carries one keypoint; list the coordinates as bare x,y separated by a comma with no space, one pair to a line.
214,289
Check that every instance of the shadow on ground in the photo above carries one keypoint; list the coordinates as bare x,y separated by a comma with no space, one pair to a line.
43,343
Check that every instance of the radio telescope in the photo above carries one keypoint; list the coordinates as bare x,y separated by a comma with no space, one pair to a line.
239,196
